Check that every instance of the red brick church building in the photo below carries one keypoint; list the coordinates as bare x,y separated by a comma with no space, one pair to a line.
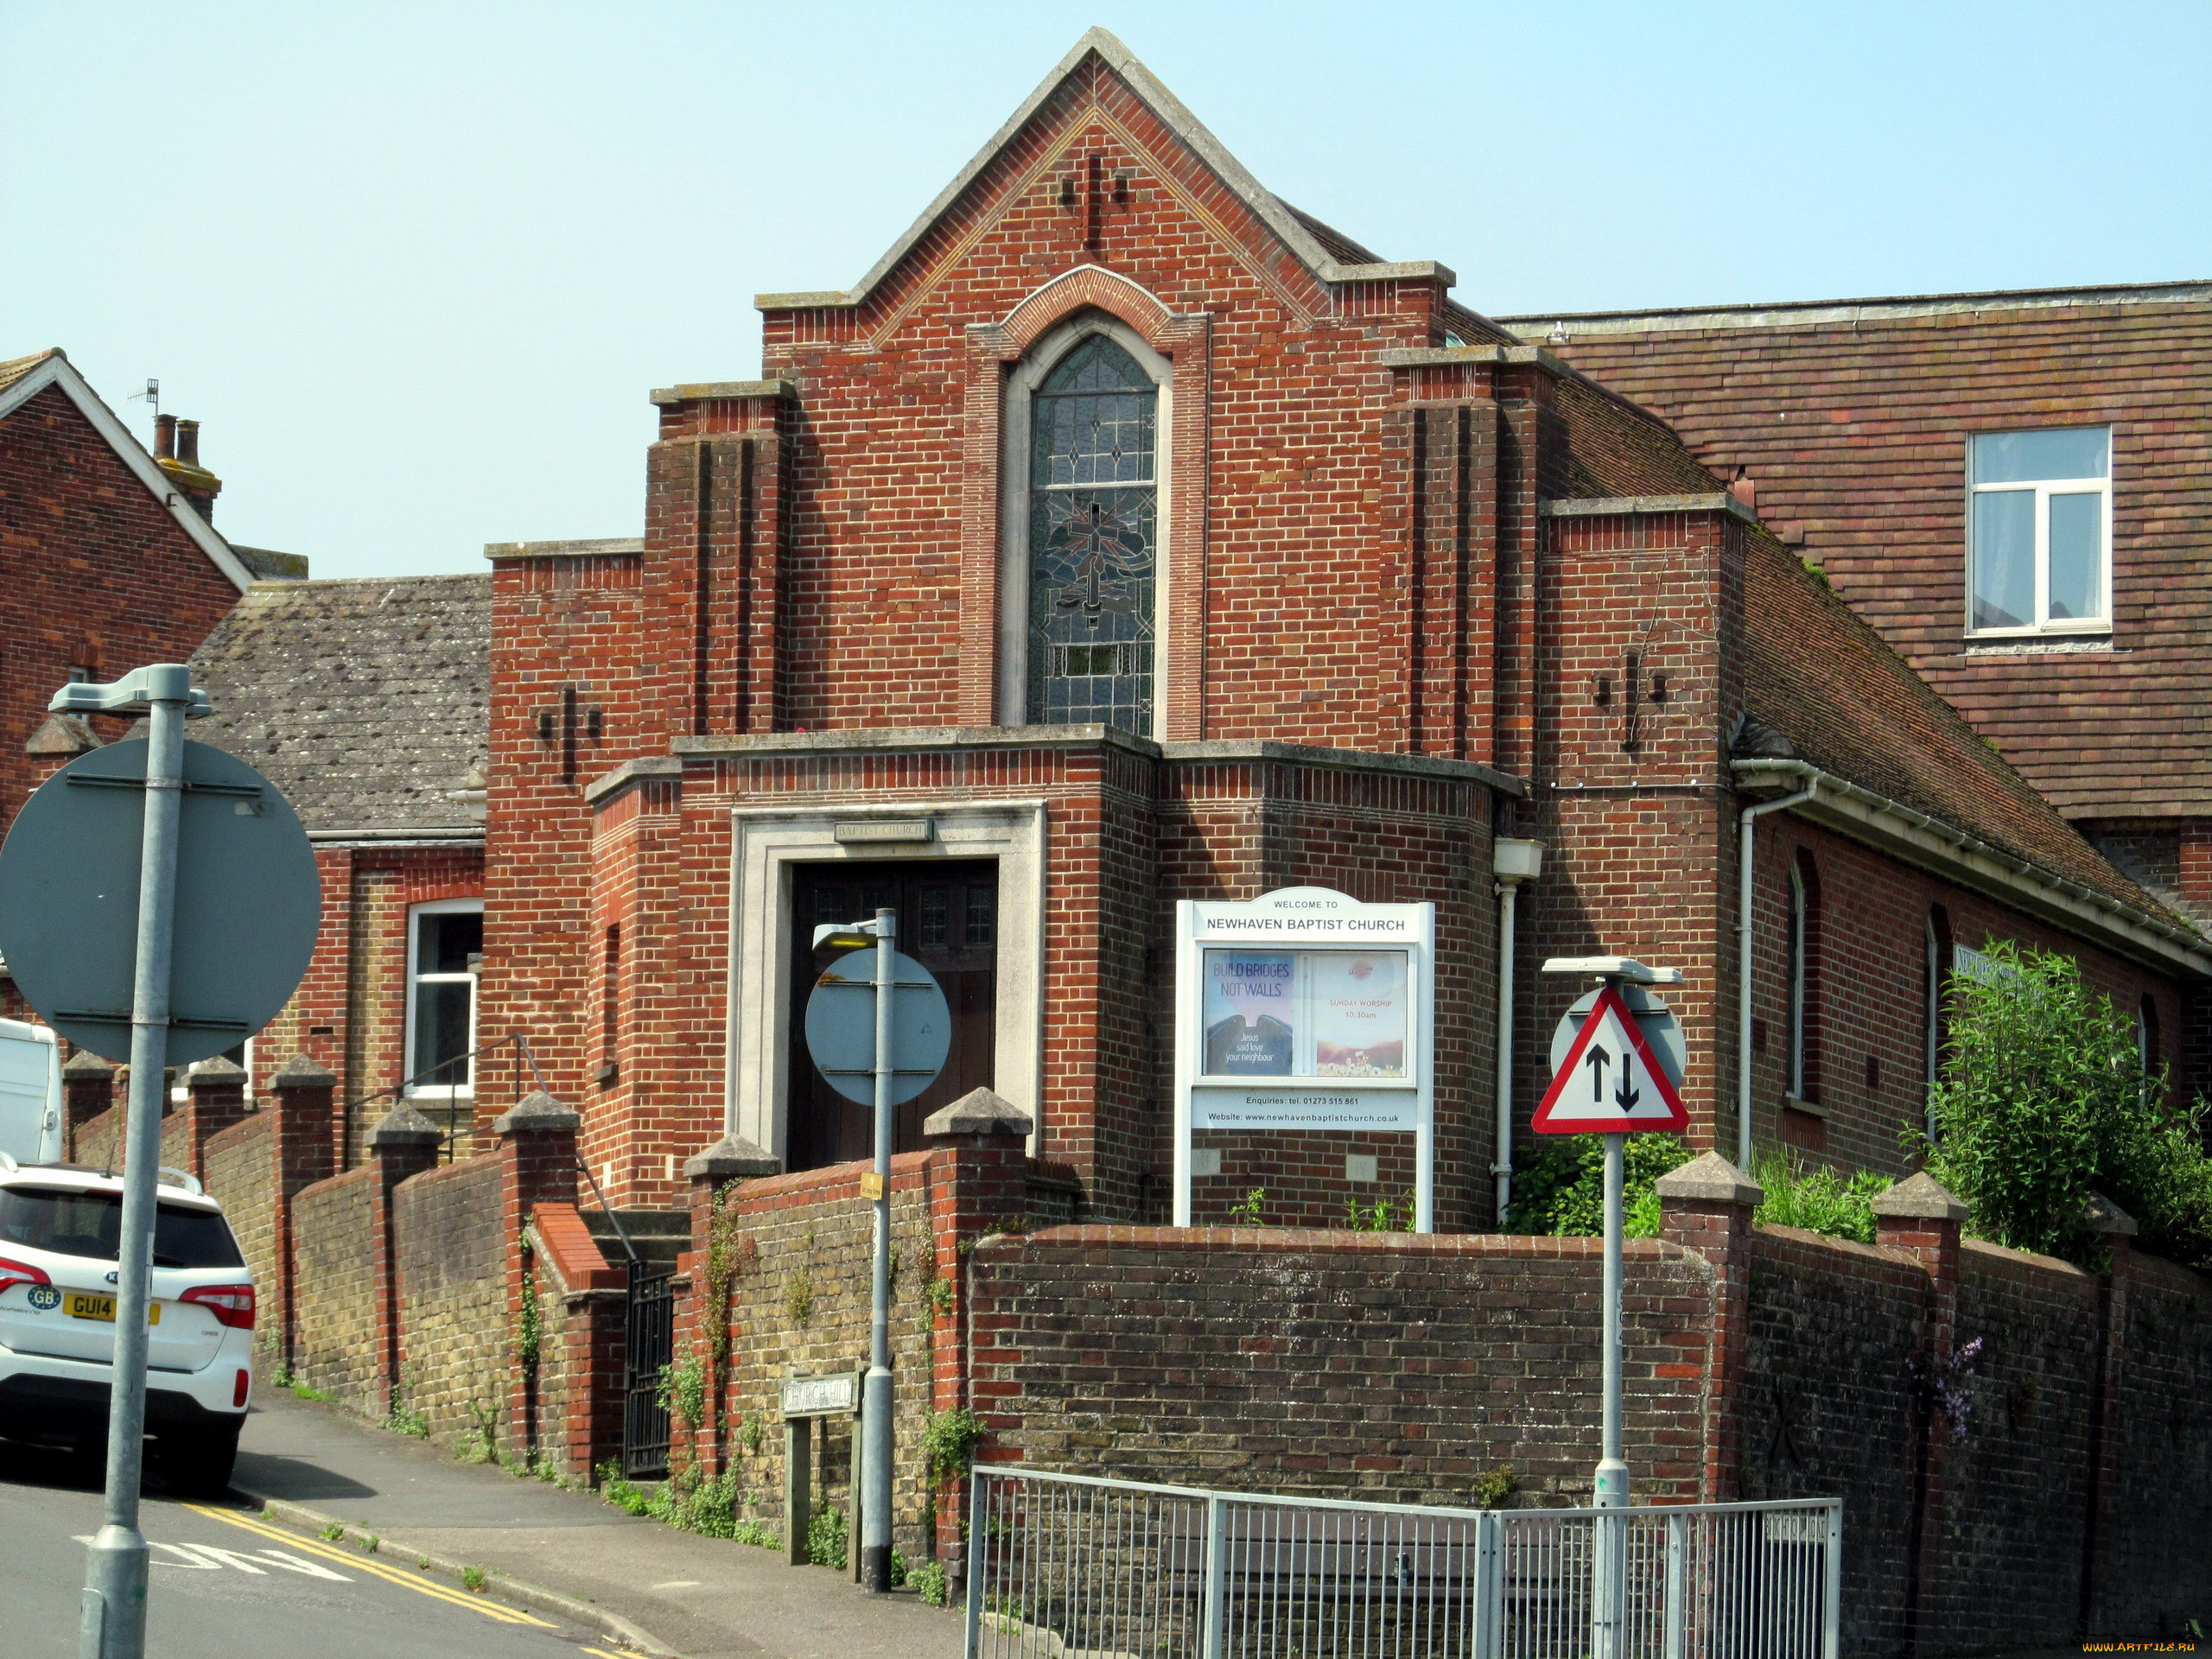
1125,536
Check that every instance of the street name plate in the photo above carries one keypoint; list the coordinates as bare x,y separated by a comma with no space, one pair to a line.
835,1396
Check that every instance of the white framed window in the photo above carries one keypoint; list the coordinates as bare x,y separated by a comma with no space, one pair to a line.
2039,531
445,940
1085,565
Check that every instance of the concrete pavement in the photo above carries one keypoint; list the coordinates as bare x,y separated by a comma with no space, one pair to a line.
667,1590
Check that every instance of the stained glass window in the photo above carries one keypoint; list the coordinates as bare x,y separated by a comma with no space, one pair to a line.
1093,541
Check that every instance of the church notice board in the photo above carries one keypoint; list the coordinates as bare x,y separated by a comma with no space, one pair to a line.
1305,1010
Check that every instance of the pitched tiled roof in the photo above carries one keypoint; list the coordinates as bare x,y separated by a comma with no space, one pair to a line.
15,368
1340,246
1615,447
1854,416
365,701
1824,679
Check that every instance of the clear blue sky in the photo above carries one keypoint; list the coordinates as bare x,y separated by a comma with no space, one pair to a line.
416,266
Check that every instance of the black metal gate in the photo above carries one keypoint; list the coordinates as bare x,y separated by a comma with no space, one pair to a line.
649,1331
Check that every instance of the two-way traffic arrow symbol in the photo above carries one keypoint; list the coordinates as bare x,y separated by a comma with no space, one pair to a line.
1598,1061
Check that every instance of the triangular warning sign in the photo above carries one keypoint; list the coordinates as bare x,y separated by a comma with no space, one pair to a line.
1611,1081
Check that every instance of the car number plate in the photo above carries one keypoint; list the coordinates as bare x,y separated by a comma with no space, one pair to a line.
83,1305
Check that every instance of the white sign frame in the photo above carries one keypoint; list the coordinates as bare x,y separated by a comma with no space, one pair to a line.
1309,918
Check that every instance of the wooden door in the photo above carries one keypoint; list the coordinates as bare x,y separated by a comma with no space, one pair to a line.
948,921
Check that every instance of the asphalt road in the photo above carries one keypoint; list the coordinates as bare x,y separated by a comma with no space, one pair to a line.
226,1583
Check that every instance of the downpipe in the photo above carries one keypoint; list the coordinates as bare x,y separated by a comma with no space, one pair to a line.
1745,842
1512,862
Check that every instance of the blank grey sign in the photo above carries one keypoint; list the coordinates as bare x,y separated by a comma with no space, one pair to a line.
841,1026
249,901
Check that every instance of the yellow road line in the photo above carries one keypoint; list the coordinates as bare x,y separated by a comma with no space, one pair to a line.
396,1576
367,1564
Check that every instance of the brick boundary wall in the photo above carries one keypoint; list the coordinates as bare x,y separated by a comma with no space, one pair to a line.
1357,1365
1763,1361
452,1256
334,1278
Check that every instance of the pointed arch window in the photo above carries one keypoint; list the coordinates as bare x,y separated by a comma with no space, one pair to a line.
1093,540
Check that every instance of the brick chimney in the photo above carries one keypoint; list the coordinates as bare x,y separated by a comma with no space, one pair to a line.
176,452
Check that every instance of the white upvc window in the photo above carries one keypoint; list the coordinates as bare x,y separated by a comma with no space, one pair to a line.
2039,531
444,941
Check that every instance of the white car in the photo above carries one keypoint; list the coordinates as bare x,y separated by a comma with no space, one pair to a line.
58,1228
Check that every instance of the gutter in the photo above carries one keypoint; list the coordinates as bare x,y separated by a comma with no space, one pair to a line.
1942,849
436,835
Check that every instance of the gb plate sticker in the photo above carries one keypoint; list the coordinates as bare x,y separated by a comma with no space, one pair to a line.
45,1298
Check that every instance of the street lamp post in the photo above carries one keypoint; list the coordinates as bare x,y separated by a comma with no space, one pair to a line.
112,1624
876,1450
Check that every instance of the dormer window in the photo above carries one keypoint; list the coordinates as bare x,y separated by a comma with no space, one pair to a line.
1090,523
2039,531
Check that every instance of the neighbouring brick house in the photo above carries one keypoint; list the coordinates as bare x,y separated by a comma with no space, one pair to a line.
364,702
2012,487
1126,535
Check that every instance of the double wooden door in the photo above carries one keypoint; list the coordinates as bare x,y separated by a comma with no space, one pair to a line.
948,921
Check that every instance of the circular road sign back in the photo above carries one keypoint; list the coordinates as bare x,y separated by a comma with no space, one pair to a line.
841,1026
248,900
1655,1020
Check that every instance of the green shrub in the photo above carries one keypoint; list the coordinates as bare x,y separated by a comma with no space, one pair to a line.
929,1579
1381,1216
1490,1491
710,1507
683,1391
948,1441
2044,1100
619,1492
1818,1200
825,1536
1559,1184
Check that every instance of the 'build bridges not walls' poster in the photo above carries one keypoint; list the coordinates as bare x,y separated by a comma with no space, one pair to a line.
1306,1014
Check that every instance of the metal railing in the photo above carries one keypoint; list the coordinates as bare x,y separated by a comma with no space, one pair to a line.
1072,1566
455,1108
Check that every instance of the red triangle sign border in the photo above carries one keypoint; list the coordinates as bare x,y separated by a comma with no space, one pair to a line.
1611,1002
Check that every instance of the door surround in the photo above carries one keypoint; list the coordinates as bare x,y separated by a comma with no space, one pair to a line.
765,842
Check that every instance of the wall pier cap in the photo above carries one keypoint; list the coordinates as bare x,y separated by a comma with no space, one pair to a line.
979,1112
1919,1198
731,1157
1709,1179
537,1112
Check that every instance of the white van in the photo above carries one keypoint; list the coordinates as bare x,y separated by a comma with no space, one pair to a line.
30,1093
